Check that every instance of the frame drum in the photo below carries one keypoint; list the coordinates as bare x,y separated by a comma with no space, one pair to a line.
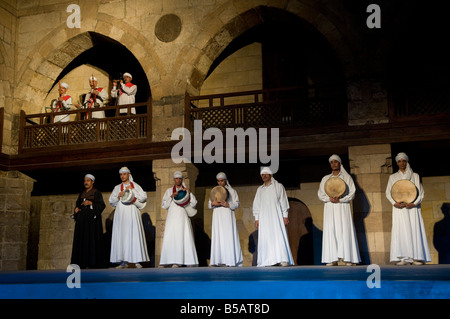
219,193
182,199
404,191
129,198
335,187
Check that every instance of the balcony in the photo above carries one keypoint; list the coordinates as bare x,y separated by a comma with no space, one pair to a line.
38,132
286,108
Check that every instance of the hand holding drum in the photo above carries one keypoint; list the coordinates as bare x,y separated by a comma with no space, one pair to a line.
335,187
404,193
219,195
128,198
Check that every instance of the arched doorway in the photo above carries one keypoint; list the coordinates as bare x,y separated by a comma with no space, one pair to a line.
300,233
107,60
286,52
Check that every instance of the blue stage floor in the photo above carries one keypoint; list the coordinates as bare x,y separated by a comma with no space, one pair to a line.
301,282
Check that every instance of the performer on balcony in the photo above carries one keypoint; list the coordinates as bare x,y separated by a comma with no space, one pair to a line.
339,235
62,103
88,250
96,98
409,243
178,247
128,243
225,244
270,208
125,92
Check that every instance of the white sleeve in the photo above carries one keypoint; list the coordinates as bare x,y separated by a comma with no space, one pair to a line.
129,91
284,202
103,95
351,192
257,204
388,190
234,200
421,192
167,200
139,193
321,192
193,201
113,200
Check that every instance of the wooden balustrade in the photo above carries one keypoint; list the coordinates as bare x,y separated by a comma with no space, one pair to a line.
40,132
283,108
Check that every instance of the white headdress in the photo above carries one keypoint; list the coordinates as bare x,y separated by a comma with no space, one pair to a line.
177,174
127,74
337,158
222,175
126,170
266,170
408,171
402,156
92,78
64,84
90,176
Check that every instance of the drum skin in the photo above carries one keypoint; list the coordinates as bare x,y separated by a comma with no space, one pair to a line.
404,191
219,193
335,187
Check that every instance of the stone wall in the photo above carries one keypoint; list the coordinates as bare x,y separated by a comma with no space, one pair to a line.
241,71
8,29
15,190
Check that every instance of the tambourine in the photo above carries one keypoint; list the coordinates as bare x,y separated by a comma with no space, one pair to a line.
129,198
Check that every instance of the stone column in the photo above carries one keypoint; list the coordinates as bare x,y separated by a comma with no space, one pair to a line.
15,199
370,166
163,172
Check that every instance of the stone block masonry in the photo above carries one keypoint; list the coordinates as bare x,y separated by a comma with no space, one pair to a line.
15,198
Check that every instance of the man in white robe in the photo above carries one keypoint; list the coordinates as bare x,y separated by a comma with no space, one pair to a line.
339,241
128,243
62,103
409,243
270,209
225,244
96,97
125,91
178,247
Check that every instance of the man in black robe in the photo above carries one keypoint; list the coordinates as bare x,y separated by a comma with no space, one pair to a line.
88,249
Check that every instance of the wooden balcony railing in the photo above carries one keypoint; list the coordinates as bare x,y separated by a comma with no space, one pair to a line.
419,103
283,108
39,132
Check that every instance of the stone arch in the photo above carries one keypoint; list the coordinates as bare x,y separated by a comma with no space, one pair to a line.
52,54
251,17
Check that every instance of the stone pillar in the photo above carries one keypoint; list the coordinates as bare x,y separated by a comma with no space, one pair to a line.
163,172
15,199
370,166
56,228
